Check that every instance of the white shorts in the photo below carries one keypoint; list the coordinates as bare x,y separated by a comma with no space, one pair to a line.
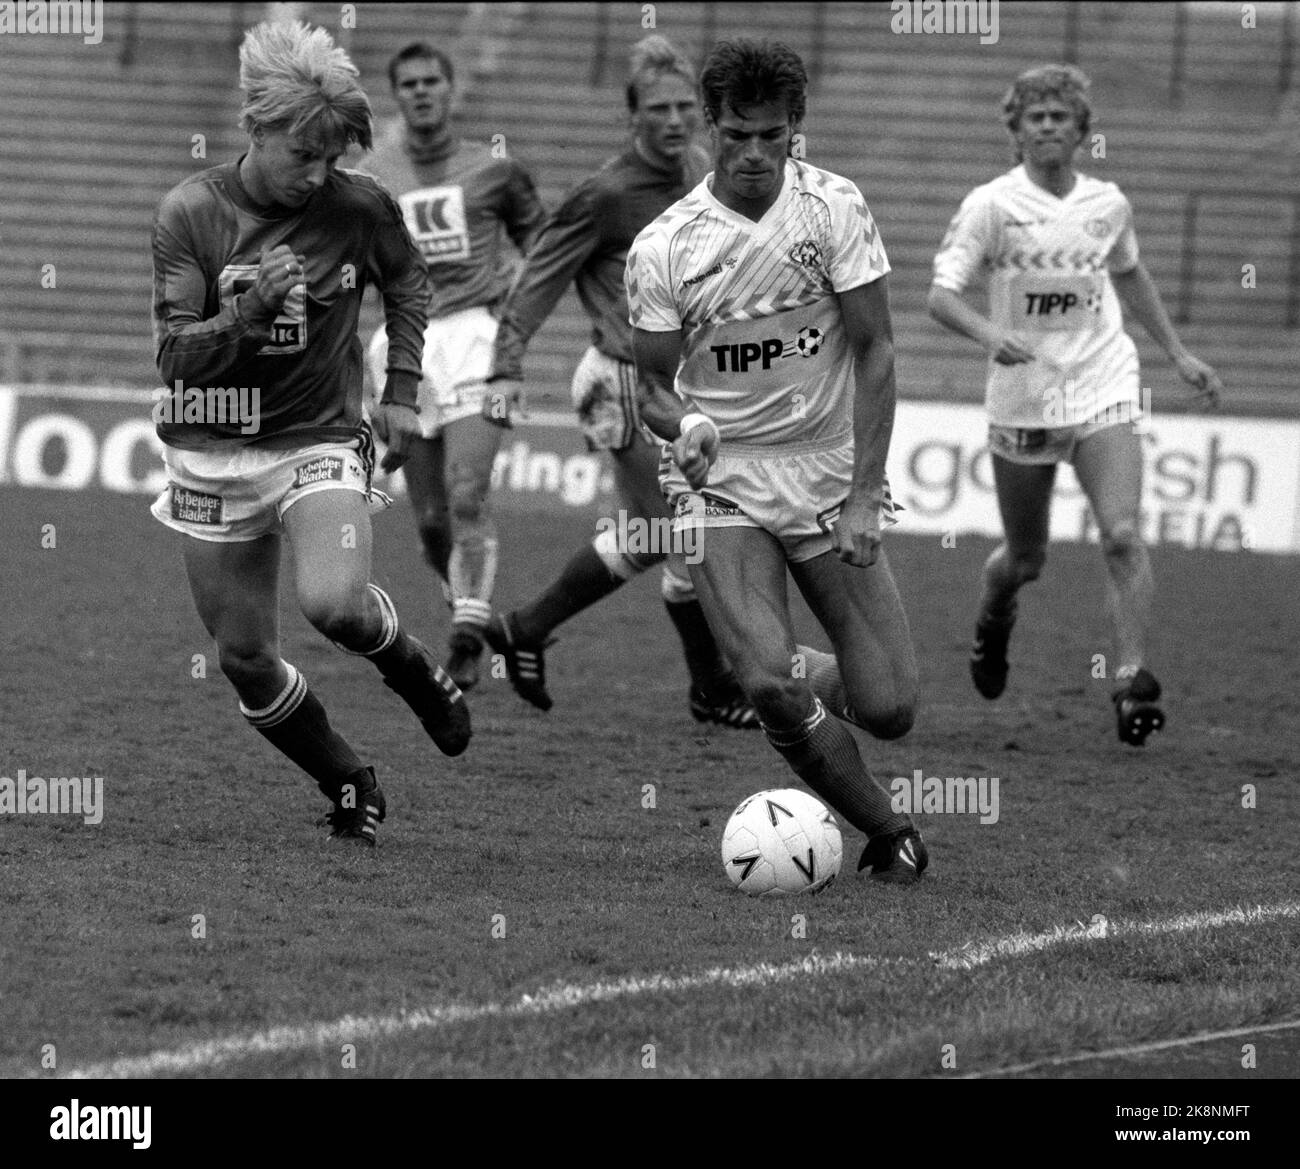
1053,444
457,359
795,491
604,395
241,493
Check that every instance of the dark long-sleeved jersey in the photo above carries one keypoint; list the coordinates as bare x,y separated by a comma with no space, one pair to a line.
305,360
459,209
587,241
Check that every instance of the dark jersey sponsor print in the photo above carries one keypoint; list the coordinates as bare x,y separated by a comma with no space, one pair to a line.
306,359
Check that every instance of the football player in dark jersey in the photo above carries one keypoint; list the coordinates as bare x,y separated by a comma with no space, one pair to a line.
465,204
585,242
259,270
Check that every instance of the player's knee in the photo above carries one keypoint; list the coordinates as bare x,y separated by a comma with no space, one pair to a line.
467,499
337,619
893,723
620,561
1122,541
1027,564
676,589
779,698
435,533
247,665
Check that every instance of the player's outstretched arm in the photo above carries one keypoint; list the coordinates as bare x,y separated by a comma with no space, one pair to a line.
952,311
657,356
869,331
1141,298
558,252
565,242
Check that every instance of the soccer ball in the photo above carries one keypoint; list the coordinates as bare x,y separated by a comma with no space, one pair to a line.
781,842
808,341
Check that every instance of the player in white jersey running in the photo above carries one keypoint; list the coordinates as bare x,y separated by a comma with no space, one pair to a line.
762,338
1061,255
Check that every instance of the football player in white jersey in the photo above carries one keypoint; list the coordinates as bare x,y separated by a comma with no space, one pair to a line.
762,337
1061,255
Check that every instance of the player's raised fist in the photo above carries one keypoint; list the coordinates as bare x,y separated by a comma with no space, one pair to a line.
697,447
280,270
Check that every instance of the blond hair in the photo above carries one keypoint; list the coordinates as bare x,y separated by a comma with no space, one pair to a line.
295,78
651,58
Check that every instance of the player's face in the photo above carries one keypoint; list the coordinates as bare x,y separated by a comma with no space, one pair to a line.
423,93
289,170
749,154
1048,134
666,119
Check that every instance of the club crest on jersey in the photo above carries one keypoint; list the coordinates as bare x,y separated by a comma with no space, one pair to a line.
807,253
1097,228
289,329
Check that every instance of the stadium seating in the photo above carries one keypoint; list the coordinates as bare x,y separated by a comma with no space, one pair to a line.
95,135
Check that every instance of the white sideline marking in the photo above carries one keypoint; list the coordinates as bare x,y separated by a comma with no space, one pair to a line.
1017,945
215,1052
1135,1049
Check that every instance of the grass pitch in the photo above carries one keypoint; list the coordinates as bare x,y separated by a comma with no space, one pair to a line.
206,906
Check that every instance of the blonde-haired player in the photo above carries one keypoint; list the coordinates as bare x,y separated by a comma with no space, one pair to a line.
1060,254
247,292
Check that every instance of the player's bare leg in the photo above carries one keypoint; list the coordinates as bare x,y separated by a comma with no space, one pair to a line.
235,589
331,537
741,584
715,694
425,474
1024,501
1109,466
600,568
471,449
872,677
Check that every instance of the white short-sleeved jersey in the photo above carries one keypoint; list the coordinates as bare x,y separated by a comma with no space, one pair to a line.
1047,261
763,347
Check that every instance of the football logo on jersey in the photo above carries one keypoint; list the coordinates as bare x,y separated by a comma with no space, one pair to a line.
807,253
1098,228
289,329
435,217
